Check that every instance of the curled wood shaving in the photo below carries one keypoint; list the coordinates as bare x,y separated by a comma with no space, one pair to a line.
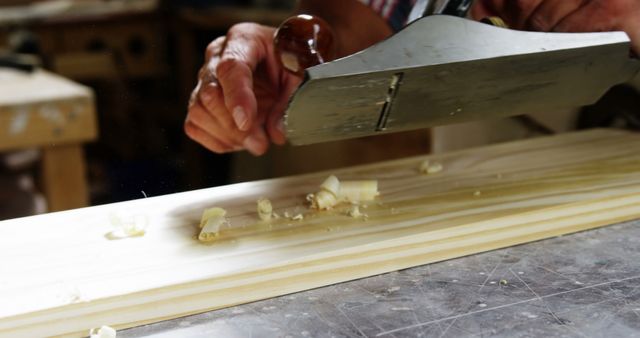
212,220
265,210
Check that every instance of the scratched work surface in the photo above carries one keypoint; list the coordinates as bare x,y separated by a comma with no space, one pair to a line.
586,284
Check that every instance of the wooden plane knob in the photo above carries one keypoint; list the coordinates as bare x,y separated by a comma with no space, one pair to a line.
303,41
494,21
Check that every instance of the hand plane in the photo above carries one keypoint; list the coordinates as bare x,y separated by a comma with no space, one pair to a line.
445,69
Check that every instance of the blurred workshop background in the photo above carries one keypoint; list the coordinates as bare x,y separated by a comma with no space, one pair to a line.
139,58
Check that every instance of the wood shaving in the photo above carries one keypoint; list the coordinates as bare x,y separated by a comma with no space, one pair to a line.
126,226
212,220
354,212
103,332
429,168
333,192
265,210
324,200
331,184
358,191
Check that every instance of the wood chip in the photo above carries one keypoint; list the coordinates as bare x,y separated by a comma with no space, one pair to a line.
429,168
103,332
212,220
265,210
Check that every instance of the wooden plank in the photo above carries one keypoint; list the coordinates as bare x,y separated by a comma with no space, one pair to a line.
60,275
64,177
44,109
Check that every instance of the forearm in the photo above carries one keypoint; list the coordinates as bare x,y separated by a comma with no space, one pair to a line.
355,25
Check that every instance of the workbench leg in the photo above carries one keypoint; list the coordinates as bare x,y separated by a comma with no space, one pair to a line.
64,177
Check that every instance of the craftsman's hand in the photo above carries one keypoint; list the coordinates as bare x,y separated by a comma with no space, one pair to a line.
566,15
241,94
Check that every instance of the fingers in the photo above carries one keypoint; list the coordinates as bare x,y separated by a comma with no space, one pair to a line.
236,79
595,16
209,123
566,15
220,125
633,30
550,13
482,9
212,105
204,138
215,47
215,129
598,16
224,114
537,15
514,12
221,85
203,128
235,70
257,142
275,128
275,120
517,12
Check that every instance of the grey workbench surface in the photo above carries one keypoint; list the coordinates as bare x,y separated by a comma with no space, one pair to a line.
585,284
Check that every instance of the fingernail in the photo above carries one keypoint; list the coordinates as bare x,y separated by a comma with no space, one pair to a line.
240,117
253,145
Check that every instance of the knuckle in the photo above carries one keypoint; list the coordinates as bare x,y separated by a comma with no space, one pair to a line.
207,75
198,117
207,96
226,67
190,129
523,5
214,47
217,148
243,28
194,118
539,23
210,96
197,135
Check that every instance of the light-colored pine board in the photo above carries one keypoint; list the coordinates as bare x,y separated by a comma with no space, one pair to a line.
59,275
